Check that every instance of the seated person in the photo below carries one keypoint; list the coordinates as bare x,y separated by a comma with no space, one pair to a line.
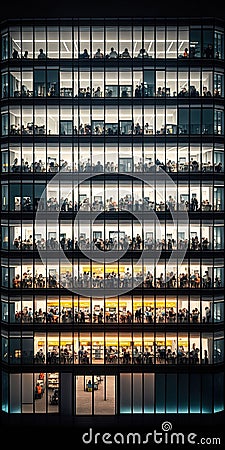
142,53
84,54
89,384
208,51
218,167
54,398
25,55
183,92
98,54
125,53
193,92
185,54
112,54
51,92
217,93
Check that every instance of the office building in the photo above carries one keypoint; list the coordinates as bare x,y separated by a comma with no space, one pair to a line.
112,232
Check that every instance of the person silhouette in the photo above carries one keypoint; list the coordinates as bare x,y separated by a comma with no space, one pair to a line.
41,55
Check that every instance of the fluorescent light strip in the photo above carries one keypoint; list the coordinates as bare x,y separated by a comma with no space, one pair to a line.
149,47
67,49
169,47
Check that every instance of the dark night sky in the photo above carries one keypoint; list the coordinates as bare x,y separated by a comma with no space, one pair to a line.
110,8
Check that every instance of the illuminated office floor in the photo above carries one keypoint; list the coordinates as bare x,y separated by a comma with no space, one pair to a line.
104,399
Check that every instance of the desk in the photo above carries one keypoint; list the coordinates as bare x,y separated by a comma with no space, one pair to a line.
206,207
183,167
66,92
55,318
39,318
182,359
206,167
148,130
89,386
16,283
40,130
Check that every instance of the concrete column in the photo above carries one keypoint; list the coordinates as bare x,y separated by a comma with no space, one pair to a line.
66,393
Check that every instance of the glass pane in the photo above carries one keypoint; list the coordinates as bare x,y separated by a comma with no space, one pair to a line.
5,85
218,392
66,44
160,42
195,391
104,394
149,392
160,393
5,406
15,43
53,42
27,42
171,42
171,393
27,393
83,395
207,391
5,49
40,390
125,42
52,392
111,41
137,393
208,51
125,393
183,393
40,43
195,43
15,393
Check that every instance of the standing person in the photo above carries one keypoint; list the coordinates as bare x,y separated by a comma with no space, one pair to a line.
206,93
41,55
207,314
208,51
15,54
38,390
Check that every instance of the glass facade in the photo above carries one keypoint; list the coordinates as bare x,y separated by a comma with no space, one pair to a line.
112,217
